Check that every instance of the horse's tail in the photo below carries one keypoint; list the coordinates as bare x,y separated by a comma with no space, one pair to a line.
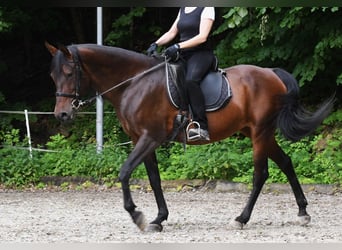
294,121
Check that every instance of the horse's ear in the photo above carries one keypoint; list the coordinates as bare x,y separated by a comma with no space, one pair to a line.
65,51
53,50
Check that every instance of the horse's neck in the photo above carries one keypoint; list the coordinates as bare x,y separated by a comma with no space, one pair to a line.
107,67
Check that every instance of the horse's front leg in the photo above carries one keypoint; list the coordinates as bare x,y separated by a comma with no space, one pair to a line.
143,147
151,165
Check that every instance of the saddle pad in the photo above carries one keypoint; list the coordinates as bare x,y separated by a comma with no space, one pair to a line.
215,87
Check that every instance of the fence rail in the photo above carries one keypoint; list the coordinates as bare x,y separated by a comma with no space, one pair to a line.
26,113
27,148
46,113
23,112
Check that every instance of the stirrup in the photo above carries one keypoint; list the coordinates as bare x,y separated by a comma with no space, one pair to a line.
195,137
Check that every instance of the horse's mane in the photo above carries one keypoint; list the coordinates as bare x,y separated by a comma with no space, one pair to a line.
112,51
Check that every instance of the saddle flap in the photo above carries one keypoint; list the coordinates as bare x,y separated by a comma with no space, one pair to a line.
215,87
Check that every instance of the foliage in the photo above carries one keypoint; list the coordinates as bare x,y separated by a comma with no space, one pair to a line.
7,133
122,32
18,169
6,121
4,25
304,41
213,161
82,162
316,158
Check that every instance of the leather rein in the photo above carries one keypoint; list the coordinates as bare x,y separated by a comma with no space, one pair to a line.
77,103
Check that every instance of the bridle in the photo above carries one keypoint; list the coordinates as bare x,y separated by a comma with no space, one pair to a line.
76,102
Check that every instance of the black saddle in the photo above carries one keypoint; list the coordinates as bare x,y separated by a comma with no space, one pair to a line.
215,87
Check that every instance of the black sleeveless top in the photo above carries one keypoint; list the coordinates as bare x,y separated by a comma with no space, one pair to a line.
188,26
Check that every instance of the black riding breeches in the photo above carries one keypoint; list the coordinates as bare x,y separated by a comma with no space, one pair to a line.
198,63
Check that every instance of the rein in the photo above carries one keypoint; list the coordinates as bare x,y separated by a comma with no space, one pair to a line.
77,103
124,82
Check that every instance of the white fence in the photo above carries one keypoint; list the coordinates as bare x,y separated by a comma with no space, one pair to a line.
28,133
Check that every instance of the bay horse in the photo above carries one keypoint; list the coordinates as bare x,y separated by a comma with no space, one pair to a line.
263,100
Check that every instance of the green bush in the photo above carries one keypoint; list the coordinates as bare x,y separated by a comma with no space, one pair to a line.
18,169
317,158
221,160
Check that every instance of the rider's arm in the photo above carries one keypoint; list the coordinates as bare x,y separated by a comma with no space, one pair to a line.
169,35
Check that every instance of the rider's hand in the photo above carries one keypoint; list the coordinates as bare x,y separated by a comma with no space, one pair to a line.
172,52
152,49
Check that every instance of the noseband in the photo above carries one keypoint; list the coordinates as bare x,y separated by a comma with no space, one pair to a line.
76,103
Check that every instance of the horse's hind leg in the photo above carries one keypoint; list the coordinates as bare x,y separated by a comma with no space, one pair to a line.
259,177
285,164
151,165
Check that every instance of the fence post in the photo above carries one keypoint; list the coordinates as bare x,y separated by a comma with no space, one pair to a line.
28,132
99,100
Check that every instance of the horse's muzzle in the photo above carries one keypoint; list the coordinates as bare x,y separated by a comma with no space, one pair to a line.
64,116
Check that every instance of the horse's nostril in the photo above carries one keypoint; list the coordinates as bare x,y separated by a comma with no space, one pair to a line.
63,116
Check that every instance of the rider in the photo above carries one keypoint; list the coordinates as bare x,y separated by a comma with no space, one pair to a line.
193,24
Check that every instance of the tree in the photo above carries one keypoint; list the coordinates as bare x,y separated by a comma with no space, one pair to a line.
305,41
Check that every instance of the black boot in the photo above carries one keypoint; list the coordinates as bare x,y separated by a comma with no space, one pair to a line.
196,98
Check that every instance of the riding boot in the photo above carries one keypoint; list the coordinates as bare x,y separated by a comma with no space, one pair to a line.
197,104
184,99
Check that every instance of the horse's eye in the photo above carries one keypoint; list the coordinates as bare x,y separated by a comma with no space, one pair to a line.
67,70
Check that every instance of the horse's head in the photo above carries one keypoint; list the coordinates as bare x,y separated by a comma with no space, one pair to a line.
66,73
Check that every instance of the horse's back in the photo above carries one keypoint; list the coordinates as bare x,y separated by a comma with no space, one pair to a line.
256,92
255,85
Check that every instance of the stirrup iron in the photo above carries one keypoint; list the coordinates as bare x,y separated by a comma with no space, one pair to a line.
195,137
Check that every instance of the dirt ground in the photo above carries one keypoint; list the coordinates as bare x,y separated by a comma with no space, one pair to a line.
196,215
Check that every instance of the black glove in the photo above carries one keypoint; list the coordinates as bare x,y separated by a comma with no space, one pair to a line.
152,49
172,52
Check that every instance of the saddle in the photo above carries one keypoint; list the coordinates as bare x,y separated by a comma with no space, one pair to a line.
215,87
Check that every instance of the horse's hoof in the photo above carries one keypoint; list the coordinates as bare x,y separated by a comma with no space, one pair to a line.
154,228
234,224
139,220
304,220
